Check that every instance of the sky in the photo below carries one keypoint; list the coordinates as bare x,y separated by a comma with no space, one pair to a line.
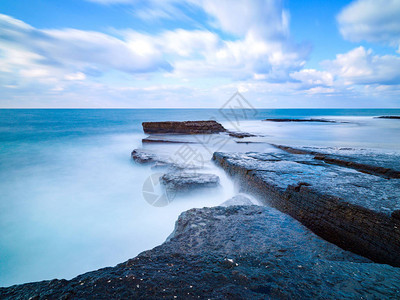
198,53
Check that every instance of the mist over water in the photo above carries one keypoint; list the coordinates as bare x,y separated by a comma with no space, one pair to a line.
71,198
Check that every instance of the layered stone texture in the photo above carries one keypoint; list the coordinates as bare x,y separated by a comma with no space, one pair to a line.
354,210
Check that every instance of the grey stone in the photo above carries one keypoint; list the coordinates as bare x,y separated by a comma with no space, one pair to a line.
349,208
239,199
185,181
142,157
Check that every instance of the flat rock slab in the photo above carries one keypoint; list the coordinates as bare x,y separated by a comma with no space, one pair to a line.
186,127
185,181
241,252
373,162
282,170
346,207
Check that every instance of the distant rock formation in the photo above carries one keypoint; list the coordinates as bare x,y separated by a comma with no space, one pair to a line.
388,117
186,127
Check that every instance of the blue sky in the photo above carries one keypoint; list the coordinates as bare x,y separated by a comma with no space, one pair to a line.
197,53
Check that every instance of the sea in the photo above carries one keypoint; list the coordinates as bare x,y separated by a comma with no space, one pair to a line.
72,200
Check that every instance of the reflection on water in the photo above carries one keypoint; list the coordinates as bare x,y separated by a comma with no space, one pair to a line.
71,198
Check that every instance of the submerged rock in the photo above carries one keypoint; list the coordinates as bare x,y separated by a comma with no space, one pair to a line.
186,127
142,157
184,181
240,252
388,117
239,199
240,135
301,120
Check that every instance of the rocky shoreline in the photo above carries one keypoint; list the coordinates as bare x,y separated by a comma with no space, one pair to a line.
329,227
241,252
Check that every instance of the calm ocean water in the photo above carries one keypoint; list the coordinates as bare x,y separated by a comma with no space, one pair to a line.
70,196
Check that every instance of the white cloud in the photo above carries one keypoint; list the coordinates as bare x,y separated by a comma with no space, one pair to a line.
266,19
88,48
180,67
372,21
311,77
358,70
75,49
361,66
261,46
75,76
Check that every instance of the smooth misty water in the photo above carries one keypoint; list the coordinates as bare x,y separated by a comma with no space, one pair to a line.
71,198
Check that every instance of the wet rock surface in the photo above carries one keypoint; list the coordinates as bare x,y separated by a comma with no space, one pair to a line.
239,199
367,161
160,162
185,181
240,135
185,127
146,157
242,252
344,206
142,157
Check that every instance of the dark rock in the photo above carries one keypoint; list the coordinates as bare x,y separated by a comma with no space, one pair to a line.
388,117
184,181
240,135
186,127
346,207
396,214
143,156
239,252
250,142
301,120
140,156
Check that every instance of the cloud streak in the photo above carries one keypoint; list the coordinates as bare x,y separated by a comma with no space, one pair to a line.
371,21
